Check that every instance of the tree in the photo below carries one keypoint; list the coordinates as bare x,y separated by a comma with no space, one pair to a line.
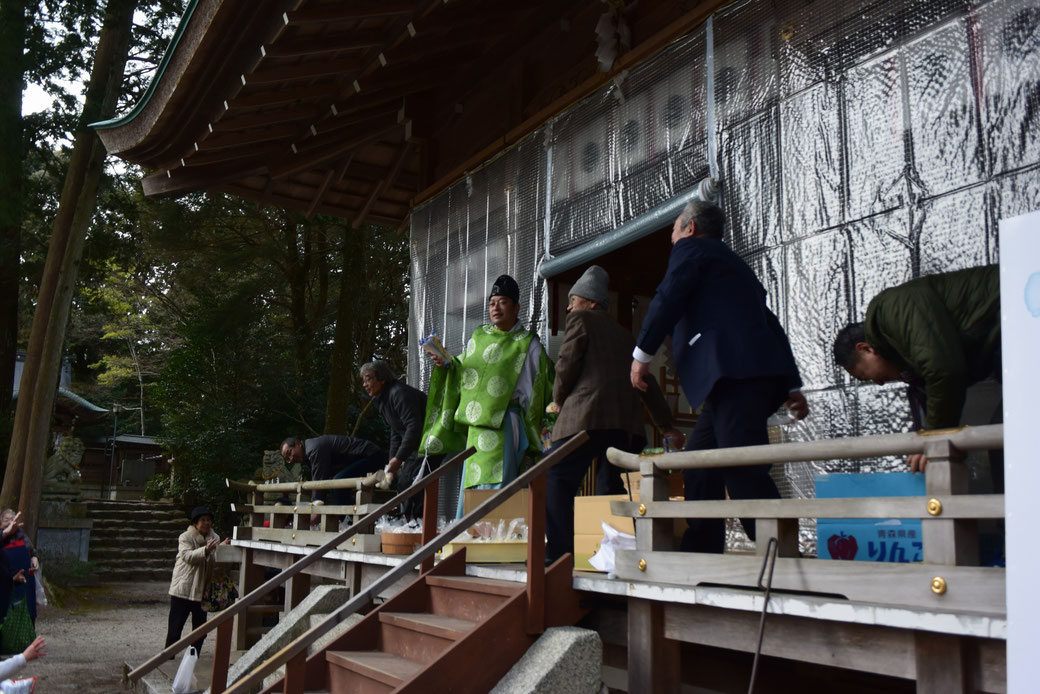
31,430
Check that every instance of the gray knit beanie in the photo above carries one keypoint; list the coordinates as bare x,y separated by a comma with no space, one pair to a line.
593,286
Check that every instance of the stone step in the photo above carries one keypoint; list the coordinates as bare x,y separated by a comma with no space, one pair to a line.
124,534
139,514
134,564
99,541
104,504
142,574
110,553
142,524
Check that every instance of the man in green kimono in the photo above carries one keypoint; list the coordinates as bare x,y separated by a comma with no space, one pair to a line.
492,396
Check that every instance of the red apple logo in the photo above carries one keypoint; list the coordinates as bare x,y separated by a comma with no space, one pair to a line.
842,546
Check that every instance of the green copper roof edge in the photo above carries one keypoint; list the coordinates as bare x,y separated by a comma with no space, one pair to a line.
147,96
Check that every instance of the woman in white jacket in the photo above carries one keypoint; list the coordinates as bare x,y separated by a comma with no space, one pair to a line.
191,573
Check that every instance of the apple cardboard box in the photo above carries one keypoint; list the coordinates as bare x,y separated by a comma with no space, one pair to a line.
869,539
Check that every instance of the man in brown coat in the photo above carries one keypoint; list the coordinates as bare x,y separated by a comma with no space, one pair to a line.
593,393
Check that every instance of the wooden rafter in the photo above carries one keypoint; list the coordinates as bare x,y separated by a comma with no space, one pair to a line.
276,198
302,71
240,138
308,159
341,11
275,98
325,43
231,121
332,177
374,59
395,167
383,111
183,180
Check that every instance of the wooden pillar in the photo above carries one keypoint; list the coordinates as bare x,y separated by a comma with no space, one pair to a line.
221,658
785,530
536,556
653,660
296,589
429,521
250,576
947,541
941,663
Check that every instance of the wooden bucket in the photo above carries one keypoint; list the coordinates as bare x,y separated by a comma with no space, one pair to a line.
400,543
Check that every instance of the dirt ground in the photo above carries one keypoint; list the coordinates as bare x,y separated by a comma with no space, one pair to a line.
92,631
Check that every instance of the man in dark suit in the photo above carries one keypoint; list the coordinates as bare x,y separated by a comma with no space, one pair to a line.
732,355
592,393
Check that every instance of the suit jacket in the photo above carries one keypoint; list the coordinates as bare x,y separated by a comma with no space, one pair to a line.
715,308
592,385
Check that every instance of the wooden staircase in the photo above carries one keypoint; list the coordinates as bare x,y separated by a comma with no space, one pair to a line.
446,632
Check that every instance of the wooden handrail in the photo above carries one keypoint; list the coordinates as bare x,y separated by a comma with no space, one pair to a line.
964,439
245,601
298,647
961,506
365,482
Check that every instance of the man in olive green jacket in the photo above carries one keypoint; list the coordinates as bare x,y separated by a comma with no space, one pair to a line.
938,333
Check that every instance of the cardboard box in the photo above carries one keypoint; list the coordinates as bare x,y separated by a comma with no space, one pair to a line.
516,506
509,552
868,539
589,511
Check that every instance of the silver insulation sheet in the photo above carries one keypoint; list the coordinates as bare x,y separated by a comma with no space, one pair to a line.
859,144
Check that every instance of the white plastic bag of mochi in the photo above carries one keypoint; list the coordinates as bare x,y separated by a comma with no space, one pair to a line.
613,540
184,681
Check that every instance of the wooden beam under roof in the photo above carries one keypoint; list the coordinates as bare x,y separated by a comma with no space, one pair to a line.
325,43
391,174
340,121
239,138
324,207
316,156
184,180
341,11
332,177
231,121
301,71
274,98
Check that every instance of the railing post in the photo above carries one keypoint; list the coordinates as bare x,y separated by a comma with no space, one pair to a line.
536,557
653,660
295,674
257,519
250,576
949,542
429,521
785,530
221,658
939,657
654,534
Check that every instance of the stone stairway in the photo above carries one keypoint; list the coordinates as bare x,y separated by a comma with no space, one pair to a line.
134,540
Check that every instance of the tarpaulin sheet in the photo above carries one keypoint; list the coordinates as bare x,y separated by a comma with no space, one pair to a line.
859,144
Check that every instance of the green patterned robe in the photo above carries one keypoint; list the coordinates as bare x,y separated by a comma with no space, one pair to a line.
467,401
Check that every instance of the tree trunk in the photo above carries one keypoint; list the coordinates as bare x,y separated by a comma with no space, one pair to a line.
75,210
12,71
344,349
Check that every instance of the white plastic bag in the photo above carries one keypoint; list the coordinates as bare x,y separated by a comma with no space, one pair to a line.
613,540
185,682
41,592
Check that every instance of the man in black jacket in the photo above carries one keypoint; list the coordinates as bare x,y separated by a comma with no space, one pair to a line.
334,457
403,408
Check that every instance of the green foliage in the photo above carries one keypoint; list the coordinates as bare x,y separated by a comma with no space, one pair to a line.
160,486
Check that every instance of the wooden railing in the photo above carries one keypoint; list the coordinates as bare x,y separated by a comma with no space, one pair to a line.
949,577
222,621
294,655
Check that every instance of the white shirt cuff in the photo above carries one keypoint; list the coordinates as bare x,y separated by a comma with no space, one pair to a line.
640,355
